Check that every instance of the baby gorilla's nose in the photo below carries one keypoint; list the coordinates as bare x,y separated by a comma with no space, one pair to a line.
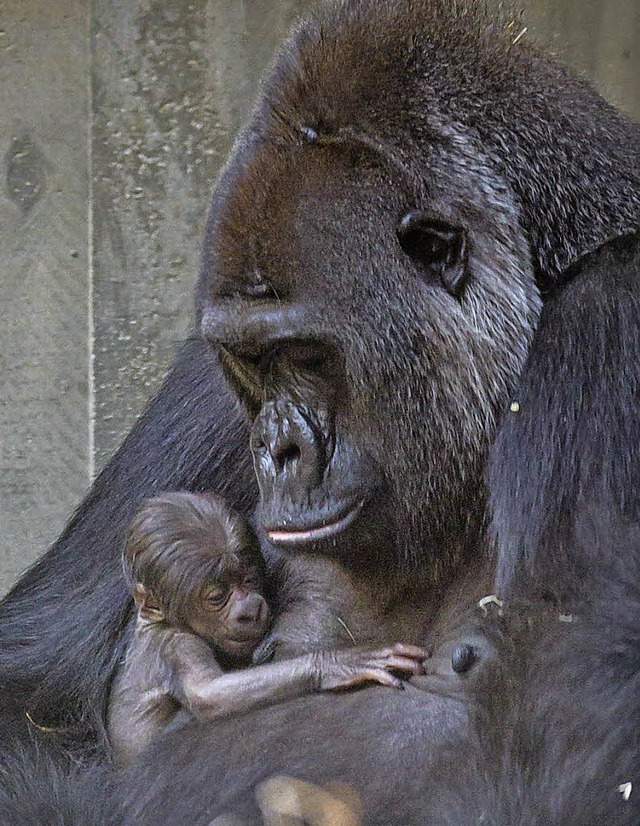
250,610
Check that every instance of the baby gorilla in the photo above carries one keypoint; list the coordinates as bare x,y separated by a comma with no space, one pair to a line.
198,580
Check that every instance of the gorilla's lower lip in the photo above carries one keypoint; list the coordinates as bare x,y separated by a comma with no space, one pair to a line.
241,642
324,531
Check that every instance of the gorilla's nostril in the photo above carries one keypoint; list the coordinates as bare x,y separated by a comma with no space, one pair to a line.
248,617
295,455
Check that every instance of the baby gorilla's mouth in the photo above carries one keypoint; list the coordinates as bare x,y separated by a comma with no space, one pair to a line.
245,639
240,649
248,639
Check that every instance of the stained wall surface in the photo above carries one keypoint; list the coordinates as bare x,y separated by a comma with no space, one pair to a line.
115,118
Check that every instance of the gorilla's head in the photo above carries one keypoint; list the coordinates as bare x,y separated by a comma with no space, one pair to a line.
374,263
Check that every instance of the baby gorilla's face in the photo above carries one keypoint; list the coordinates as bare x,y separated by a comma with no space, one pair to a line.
233,616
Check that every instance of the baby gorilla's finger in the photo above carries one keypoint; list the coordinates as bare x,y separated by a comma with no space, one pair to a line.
265,652
398,663
416,652
382,677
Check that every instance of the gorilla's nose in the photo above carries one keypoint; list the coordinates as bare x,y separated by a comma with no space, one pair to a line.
252,609
286,449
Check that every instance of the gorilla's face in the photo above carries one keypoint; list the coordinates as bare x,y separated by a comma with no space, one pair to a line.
373,314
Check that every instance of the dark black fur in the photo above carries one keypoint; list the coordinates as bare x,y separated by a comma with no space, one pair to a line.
435,108
574,438
38,787
552,724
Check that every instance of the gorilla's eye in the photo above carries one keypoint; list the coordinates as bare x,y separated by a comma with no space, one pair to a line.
244,373
251,290
437,247
215,595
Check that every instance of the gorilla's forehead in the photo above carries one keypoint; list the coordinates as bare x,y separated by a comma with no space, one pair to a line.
315,213
306,217
374,65
295,186
412,75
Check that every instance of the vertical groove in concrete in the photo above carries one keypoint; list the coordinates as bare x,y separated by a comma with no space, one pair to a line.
91,330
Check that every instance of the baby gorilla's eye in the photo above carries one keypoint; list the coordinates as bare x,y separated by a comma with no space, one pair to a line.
215,595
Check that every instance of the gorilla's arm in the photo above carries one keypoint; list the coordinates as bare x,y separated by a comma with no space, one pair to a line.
382,743
60,625
571,441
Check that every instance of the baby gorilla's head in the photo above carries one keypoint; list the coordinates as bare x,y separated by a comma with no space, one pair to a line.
196,564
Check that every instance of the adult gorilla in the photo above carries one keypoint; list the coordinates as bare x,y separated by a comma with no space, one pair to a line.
384,252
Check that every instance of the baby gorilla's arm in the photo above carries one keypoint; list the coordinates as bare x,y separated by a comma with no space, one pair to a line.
208,699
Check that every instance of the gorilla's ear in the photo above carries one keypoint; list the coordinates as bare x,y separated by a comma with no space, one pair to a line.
146,604
439,249
570,440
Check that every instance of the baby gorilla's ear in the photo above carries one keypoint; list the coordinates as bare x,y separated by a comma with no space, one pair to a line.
147,605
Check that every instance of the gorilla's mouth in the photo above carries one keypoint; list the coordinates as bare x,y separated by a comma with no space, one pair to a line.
244,645
240,641
331,525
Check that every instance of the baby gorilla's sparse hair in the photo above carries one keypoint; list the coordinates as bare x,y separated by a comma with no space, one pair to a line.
180,542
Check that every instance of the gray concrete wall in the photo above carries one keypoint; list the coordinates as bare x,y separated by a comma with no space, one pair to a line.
114,120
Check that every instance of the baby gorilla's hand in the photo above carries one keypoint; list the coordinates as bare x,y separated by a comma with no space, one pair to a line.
275,647
265,652
355,667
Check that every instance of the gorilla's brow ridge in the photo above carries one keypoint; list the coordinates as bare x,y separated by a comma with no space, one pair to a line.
375,145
